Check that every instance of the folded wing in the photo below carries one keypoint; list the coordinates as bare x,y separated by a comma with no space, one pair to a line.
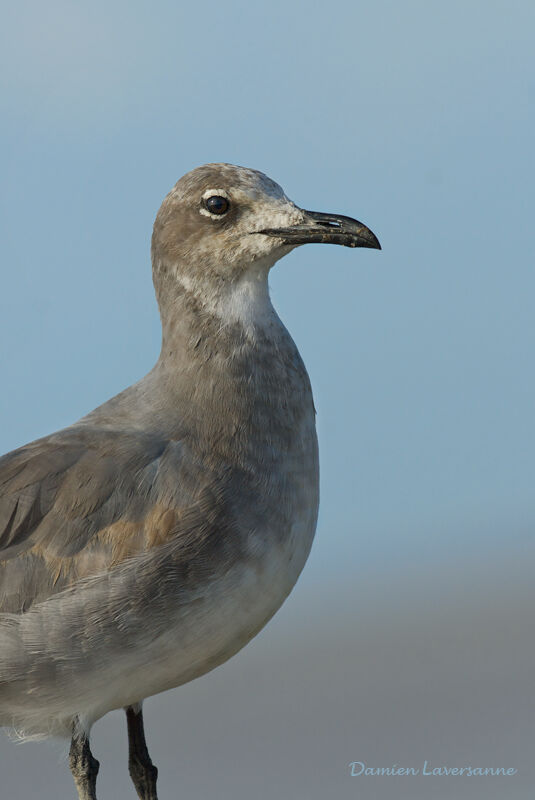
78,502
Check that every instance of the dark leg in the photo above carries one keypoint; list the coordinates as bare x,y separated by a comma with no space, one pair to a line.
83,766
142,770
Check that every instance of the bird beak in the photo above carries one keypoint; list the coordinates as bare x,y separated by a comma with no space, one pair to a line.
326,229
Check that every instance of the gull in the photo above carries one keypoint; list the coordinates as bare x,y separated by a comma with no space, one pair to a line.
148,542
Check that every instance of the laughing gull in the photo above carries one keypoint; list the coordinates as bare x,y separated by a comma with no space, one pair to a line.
151,540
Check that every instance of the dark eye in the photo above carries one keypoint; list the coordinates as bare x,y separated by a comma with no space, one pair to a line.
216,204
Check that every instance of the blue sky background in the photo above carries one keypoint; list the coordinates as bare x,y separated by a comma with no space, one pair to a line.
415,117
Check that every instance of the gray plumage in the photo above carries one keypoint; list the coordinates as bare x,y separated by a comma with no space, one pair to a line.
149,541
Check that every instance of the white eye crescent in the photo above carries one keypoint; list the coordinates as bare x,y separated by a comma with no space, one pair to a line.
215,203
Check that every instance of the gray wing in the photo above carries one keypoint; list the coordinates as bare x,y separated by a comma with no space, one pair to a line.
80,501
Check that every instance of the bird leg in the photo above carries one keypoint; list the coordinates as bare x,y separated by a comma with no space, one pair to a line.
83,766
142,770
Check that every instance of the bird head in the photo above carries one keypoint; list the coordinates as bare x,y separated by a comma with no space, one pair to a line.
222,224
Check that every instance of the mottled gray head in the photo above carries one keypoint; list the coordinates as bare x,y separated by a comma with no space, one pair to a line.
222,224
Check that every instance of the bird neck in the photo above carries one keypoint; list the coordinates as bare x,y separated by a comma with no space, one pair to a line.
215,312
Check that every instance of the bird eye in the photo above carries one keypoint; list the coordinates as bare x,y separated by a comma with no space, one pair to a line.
216,204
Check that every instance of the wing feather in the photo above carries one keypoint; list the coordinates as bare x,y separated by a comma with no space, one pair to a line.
72,504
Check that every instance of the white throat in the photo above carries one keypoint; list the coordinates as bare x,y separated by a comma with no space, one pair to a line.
245,301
